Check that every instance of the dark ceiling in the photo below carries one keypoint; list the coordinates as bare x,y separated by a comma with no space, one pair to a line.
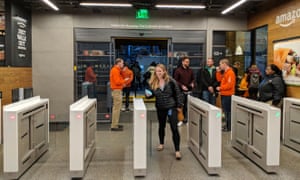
212,6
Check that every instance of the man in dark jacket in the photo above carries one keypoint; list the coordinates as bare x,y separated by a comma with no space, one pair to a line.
185,79
209,82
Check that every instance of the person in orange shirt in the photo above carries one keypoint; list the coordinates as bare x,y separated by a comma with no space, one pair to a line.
127,73
225,75
117,83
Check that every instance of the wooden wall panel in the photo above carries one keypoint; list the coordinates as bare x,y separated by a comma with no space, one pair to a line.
276,32
11,78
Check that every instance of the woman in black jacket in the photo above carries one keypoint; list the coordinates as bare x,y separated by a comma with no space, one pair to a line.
168,101
272,89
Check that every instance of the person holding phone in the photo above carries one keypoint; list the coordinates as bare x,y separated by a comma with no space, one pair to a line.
168,101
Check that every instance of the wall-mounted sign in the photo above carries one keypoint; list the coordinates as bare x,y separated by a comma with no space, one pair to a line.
18,36
21,36
288,18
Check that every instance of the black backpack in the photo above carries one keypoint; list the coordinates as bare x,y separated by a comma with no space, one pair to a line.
254,80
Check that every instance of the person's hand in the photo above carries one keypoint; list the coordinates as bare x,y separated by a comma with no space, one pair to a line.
218,88
192,85
211,89
183,87
126,79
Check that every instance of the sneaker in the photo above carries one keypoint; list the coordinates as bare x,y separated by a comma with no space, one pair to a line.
116,129
120,126
179,123
123,109
127,109
224,129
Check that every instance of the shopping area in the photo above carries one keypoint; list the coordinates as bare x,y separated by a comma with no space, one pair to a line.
43,57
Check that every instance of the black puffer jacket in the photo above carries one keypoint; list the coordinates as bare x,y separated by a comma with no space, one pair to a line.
169,97
271,88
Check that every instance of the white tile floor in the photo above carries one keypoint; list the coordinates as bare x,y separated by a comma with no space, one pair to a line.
113,159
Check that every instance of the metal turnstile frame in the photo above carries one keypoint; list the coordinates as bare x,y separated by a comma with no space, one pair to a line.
291,123
139,137
204,134
25,134
256,132
83,126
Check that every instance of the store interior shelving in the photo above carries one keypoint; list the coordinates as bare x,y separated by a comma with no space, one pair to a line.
96,54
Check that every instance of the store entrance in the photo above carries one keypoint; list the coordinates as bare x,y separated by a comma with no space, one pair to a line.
139,54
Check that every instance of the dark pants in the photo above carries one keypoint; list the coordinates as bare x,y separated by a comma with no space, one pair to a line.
92,91
253,93
226,106
126,91
162,119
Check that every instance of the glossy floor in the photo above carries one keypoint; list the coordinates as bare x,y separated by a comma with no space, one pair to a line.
114,153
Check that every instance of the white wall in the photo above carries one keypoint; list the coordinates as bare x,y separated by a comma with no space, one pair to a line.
53,45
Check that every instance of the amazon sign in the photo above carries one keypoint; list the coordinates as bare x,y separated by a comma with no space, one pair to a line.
288,18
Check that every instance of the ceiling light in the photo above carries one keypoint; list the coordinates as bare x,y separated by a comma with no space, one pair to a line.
179,6
233,6
53,6
107,4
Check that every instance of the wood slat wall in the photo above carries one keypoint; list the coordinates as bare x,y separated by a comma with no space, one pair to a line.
11,78
276,32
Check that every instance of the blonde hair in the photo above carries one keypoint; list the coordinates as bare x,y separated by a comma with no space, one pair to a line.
118,60
154,81
225,61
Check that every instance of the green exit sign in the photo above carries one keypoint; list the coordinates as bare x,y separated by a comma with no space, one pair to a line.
142,14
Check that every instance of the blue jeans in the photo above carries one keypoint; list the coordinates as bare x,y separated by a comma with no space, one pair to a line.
209,97
226,106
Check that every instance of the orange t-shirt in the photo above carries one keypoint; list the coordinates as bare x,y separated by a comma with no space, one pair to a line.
227,82
127,73
116,79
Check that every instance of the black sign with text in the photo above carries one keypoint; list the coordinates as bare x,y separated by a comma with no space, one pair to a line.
18,38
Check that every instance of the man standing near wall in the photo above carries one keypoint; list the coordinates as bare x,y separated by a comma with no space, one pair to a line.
226,77
117,83
185,80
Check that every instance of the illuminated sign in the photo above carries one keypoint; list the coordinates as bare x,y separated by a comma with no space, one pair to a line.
142,14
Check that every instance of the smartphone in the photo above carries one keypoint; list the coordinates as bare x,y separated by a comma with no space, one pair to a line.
148,92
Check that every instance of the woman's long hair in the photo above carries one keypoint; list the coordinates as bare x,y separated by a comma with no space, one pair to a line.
154,81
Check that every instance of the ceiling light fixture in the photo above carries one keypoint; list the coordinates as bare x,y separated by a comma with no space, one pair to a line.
49,3
107,4
170,6
234,6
